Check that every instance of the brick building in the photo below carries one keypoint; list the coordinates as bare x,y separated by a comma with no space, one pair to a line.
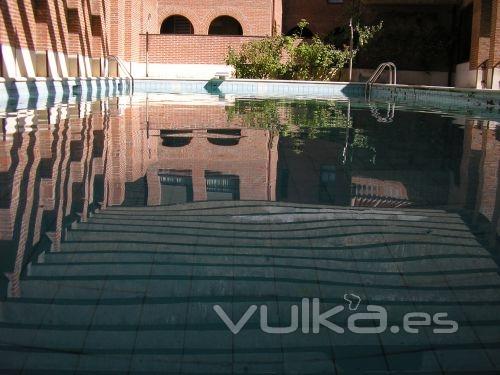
442,42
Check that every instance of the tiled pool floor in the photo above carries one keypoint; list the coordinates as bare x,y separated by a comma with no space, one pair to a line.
132,290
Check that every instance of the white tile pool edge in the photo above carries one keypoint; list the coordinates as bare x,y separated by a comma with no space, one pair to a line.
27,91
40,92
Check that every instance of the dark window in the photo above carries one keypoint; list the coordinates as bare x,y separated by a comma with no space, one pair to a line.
40,10
72,21
304,33
464,35
485,24
228,137
222,186
45,168
225,25
176,187
95,25
283,176
98,188
176,138
328,176
6,179
76,150
98,144
177,25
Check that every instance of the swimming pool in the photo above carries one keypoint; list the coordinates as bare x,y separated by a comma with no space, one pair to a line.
170,233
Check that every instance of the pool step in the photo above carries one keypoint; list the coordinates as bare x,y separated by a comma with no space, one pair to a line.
135,296
316,231
477,287
414,270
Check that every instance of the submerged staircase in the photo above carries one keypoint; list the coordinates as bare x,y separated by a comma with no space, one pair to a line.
132,290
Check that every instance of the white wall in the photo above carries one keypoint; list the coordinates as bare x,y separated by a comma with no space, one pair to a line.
464,77
495,84
173,71
404,77
23,62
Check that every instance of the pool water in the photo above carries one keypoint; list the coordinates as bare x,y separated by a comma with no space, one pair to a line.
206,234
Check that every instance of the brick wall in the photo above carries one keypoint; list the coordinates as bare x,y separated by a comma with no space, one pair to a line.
481,28
185,116
485,43
91,28
55,25
255,16
96,28
495,34
190,49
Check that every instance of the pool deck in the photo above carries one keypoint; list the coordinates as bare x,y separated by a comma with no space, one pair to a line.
133,289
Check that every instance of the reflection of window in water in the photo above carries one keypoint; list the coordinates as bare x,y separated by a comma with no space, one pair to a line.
222,186
176,138
328,176
6,179
76,150
176,187
282,184
98,188
45,168
135,193
98,143
231,137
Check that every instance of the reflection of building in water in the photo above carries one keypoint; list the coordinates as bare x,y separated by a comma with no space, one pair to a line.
61,164
202,155
313,175
317,174
64,162
432,175
377,192
477,188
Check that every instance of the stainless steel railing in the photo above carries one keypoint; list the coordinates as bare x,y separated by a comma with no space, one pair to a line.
376,75
123,67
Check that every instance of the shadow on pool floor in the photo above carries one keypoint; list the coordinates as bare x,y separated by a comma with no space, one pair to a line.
134,289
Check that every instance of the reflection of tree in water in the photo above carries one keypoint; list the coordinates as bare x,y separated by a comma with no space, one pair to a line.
418,141
300,120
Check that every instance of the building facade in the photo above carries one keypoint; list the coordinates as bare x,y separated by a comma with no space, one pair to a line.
450,42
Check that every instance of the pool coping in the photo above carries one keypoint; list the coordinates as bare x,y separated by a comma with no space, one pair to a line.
241,80
22,89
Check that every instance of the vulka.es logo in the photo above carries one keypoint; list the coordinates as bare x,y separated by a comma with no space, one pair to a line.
311,319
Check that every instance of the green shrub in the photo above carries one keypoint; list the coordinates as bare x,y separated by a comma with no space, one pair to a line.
292,57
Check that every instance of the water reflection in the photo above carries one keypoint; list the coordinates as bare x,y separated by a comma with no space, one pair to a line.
72,163
60,164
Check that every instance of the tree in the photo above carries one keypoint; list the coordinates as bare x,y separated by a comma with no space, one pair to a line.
293,57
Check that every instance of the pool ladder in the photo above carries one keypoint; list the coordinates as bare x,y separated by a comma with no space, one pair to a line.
388,118
376,75
123,67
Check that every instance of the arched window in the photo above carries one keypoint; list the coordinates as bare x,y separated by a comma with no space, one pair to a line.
176,25
225,25
232,137
176,138
306,33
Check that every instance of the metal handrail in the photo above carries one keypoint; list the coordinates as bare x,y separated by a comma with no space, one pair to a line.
124,68
376,75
